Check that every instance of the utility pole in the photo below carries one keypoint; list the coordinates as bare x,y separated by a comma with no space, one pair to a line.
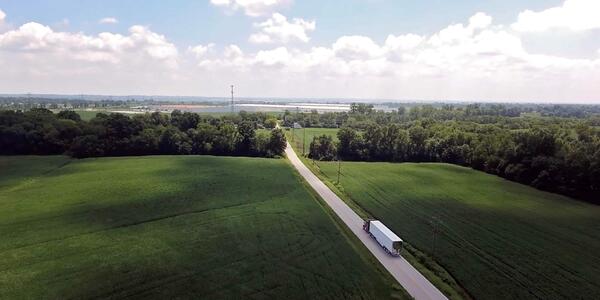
339,170
304,142
232,105
435,224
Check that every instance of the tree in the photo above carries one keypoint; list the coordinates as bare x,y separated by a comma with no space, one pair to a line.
347,145
69,115
270,123
173,141
277,143
247,134
322,148
226,140
87,146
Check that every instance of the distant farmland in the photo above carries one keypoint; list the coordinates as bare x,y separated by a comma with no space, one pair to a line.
499,239
172,227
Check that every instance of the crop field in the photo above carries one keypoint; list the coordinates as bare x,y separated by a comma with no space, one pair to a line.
499,239
298,136
173,227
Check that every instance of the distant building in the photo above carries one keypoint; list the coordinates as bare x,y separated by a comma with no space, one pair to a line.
297,125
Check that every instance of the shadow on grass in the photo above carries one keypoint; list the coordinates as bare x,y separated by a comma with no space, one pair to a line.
177,227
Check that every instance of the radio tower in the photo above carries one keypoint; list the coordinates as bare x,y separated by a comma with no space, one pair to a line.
232,105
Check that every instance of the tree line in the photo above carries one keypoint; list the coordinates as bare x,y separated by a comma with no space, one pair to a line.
560,155
42,132
360,114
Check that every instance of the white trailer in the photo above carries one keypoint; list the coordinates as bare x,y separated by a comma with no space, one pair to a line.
390,242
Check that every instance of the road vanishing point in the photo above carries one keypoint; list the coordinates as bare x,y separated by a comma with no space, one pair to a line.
411,280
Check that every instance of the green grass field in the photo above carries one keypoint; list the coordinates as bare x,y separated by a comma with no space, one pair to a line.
87,115
499,239
173,227
298,137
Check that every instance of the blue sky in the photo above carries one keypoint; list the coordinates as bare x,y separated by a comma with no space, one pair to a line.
535,50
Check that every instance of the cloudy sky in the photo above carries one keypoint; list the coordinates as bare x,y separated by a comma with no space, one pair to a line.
496,50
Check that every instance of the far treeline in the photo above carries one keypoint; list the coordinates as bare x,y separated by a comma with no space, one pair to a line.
40,131
556,154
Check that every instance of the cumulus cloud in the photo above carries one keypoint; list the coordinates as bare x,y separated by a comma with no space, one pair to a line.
277,56
403,42
469,56
108,20
473,60
2,16
278,29
356,48
252,8
201,51
36,57
479,21
38,43
576,15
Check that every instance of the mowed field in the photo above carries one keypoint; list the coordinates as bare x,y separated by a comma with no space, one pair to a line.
499,239
298,137
172,227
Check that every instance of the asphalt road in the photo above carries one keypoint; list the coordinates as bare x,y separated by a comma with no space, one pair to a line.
406,275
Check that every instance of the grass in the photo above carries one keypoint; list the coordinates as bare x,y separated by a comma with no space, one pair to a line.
499,239
172,227
424,263
297,136
87,115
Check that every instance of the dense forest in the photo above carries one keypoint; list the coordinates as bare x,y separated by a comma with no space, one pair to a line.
557,154
40,131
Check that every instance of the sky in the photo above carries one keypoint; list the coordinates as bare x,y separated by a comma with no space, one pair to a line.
471,50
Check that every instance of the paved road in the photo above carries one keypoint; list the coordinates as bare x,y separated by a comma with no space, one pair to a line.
412,281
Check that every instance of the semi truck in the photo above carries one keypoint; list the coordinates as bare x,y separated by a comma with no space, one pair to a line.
387,239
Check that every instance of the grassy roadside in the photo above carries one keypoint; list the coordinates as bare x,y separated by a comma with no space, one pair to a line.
397,292
424,263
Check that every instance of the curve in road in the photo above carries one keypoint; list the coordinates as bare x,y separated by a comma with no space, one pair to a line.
406,275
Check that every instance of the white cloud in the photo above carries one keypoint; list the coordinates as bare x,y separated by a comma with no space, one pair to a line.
35,57
233,52
480,21
403,42
141,43
252,8
201,51
108,20
476,61
278,29
458,33
473,61
4,26
576,15
278,56
356,48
